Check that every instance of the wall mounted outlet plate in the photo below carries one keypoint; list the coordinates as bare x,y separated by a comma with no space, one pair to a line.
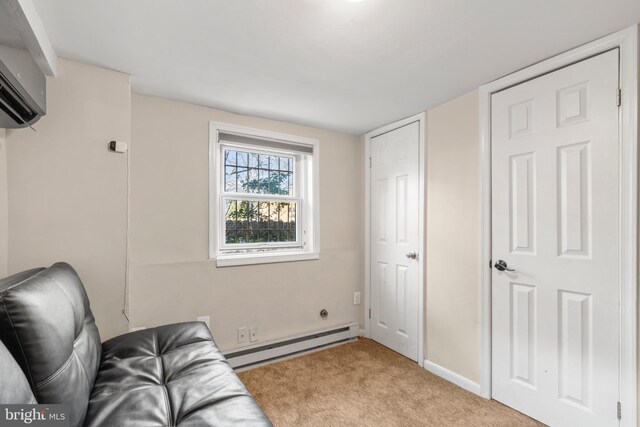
242,335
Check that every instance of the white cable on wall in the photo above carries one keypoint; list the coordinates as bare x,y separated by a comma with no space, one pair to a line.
125,309
121,147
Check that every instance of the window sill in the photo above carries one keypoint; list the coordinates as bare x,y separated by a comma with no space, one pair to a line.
232,260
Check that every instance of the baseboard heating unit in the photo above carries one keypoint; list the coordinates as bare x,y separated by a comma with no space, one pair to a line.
269,351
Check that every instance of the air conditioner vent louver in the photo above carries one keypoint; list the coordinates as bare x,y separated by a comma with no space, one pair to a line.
22,89
13,105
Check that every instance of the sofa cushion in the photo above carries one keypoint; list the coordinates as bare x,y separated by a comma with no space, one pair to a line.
173,375
47,325
15,387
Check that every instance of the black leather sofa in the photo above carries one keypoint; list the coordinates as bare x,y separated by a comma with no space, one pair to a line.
173,375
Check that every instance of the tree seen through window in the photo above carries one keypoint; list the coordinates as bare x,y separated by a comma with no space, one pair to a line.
264,219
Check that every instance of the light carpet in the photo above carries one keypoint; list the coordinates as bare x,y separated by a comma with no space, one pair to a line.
365,384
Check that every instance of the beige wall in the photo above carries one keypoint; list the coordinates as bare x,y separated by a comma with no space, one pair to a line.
68,193
4,200
69,202
453,237
171,278
453,245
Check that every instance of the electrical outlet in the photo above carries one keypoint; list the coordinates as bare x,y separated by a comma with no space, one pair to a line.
206,320
242,335
356,298
253,334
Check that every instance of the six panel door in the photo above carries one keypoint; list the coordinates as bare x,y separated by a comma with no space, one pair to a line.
394,235
555,219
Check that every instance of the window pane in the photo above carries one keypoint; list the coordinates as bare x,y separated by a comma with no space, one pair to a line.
253,184
243,158
274,182
242,185
248,222
273,163
264,161
253,160
292,228
290,183
284,183
264,180
230,212
247,172
230,158
230,174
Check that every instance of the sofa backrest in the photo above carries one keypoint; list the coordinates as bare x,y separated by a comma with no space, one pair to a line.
15,387
47,325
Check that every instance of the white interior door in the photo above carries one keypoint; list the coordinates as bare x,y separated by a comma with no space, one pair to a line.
395,239
555,221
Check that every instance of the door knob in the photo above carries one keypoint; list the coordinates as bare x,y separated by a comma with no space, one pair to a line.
412,255
502,266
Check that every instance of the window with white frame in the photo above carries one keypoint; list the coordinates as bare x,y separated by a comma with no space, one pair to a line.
264,196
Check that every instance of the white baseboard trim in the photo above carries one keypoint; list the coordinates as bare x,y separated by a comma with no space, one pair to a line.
452,377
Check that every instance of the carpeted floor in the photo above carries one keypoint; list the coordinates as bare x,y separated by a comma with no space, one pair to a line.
365,384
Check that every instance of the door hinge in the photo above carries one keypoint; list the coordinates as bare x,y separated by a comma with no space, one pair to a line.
369,313
619,97
619,410
370,161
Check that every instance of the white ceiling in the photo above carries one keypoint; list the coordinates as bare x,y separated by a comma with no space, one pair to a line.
329,63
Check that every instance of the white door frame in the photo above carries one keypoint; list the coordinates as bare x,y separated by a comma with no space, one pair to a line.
421,118
627,41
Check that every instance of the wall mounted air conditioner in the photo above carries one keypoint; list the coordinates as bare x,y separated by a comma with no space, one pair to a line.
22,89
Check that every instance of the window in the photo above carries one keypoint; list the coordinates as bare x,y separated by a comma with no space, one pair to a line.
259,200
264,197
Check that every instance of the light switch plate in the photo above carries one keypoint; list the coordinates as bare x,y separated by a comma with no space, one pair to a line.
356,298
253,334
